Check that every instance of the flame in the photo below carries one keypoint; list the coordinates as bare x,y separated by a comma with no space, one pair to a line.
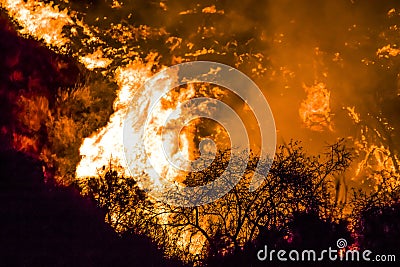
391,12
107,143
388,51
315,110
377,161
212,9
95,60
381,156
32,111
98,149
353,114
116,4
40,20
27,144
46,22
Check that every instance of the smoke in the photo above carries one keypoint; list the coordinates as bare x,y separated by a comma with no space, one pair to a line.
329,42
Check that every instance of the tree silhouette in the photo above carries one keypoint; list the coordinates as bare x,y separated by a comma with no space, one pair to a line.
379,229
304,231
121,199
297,184
376,215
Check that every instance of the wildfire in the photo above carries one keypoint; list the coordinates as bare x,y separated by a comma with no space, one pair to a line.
315,110
46,22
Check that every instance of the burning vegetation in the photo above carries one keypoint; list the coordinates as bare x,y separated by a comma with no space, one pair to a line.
68,86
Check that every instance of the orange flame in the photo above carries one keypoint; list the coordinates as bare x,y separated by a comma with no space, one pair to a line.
315,110
38,19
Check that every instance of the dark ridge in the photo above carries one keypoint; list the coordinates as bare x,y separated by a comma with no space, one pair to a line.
45,225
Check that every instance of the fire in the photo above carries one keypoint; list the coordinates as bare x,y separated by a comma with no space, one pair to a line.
32,111
376,159
38,19
212,9
95,150
46,22
378,163
29,145
388,51
380,156
315,111
353,114
107,146
95,60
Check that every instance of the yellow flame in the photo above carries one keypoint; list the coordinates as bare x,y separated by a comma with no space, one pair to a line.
40,20
212,9
95,60
106,144
388,51
353,114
